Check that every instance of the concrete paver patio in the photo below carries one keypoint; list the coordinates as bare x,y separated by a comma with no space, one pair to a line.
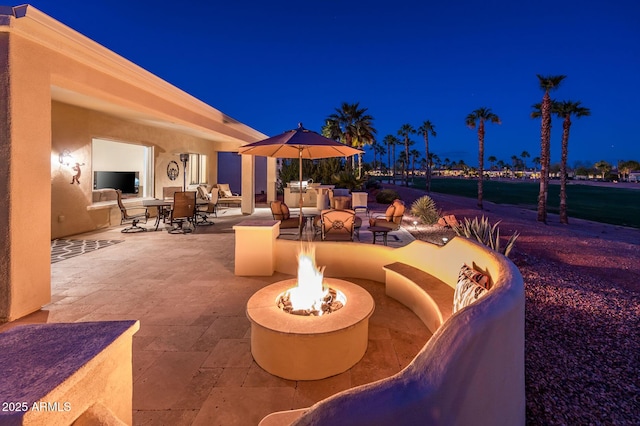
192,359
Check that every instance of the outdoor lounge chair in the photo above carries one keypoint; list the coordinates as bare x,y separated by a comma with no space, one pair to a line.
338,225
392,218
225,196
133,219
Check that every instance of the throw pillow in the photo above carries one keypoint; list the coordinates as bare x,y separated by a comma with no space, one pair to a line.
285,211
477,276
227,193
467,292
202,193
389,213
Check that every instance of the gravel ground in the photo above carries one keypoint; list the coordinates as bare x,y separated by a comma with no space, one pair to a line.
582,315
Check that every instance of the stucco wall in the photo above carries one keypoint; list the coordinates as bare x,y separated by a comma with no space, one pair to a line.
73,128
471,372
45,68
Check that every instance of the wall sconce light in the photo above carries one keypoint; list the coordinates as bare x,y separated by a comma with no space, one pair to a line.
415,224
65,154
444,240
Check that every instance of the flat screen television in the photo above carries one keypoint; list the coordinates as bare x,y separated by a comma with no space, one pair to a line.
127,182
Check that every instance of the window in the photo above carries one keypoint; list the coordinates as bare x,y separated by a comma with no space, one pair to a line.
198,169
116,157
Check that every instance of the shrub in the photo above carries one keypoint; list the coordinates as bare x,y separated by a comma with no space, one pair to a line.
373,183
386,196
482,231
425,208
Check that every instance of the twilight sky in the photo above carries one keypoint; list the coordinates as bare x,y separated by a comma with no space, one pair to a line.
272,64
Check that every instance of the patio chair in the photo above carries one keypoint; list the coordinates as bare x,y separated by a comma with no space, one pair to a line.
339,198
280,211
168,191
133,218
205,210
359,201
338,225
392,218
183,212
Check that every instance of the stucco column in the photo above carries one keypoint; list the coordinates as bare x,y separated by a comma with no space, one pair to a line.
248,184
271,178
25,182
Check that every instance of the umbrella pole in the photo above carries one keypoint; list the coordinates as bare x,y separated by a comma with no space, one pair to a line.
300,202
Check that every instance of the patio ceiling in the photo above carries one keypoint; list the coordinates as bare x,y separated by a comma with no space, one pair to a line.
227,125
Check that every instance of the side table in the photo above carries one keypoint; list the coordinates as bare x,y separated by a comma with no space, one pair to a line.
375,230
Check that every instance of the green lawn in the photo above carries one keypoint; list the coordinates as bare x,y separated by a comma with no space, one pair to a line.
601,204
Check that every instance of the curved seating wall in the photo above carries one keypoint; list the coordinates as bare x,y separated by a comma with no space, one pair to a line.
470,372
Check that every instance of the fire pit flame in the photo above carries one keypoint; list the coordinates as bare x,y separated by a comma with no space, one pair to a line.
310,296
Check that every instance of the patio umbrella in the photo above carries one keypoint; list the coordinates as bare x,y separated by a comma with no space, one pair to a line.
298,143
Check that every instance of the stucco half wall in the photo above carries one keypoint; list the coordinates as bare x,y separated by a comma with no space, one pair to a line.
471,372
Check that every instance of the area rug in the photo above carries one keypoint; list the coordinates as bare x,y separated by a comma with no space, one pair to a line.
62,249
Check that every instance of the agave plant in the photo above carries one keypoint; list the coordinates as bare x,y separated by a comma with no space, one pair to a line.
485,233
425,208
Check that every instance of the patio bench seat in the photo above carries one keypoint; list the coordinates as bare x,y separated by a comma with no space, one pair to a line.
428,297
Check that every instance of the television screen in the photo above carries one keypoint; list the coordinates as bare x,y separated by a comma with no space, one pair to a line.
127,182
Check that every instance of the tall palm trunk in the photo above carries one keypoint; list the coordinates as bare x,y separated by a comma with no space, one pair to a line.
394,164
545,136
480,161
389,160
405,168
566,125
426,148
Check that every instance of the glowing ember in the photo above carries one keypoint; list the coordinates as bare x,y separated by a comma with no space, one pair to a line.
310,297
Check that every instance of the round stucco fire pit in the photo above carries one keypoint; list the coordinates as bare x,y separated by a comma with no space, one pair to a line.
299,347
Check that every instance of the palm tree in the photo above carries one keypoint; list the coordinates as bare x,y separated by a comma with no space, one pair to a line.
603,167
536,163
492,159
391,142
524,155
351,125
547,83
405,131
477,119
378,148
402,161
414,155
514,161
426,129
626,167
565,110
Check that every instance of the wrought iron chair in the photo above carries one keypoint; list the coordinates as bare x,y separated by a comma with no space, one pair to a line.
280,211
392,218
183,212
338,225
133,219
